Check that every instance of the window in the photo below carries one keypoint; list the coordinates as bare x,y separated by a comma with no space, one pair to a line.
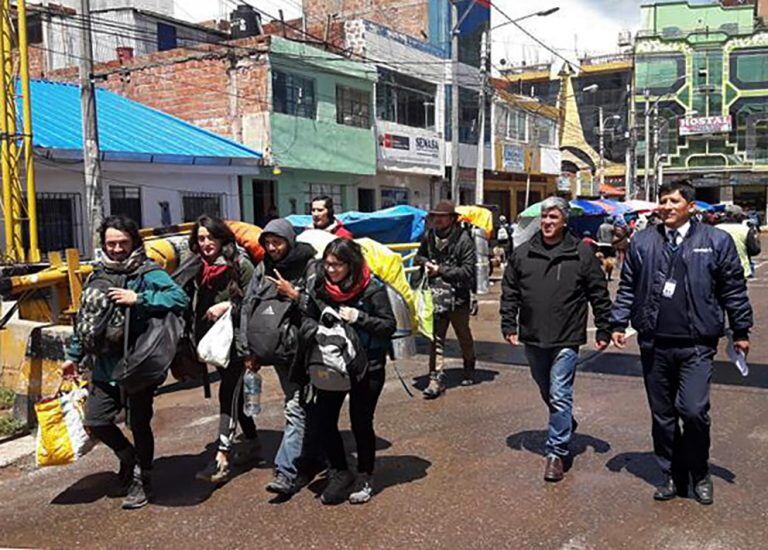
293,95
312,190
660,74
125,200
405,100
166,37
353,107
517,122
393,196
195,205
60,222
545,131
749,69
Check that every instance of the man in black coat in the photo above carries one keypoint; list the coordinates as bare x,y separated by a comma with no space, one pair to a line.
675,283
547,284
447,255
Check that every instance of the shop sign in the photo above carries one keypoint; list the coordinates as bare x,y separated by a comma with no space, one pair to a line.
513,158
690,126
403,146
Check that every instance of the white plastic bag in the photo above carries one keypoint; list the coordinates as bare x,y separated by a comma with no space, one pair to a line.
214,348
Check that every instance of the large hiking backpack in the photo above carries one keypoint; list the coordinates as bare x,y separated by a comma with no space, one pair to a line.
100,323
272,332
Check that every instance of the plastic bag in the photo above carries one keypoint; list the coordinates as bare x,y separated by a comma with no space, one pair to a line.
425,310
61,435
214,348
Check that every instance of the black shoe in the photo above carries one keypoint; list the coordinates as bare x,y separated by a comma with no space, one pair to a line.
704,491
139,492
338,487
281,485
574,425
667,491
469,378
307,474
125,474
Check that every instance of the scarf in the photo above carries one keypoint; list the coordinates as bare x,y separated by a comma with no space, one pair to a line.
340,296
129,265
212,271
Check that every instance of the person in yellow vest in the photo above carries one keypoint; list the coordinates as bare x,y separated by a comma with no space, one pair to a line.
740,234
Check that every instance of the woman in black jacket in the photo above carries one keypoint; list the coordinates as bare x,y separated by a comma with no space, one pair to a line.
225,273
346,285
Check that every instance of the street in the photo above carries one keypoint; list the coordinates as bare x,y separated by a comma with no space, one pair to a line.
461,471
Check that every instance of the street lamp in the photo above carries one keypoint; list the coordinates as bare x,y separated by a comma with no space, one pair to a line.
542,13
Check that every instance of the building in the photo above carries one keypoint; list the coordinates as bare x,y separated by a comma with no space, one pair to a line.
526,154
702,74
117,33
156,168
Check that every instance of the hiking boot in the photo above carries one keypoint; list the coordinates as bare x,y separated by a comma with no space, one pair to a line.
281,485
338,487
553,470
362,492
435,388
140,490
217,471
246,452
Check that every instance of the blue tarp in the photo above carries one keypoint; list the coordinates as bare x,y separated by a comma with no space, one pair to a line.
589,207
399,224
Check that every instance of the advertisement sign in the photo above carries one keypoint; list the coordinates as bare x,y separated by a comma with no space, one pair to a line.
697,125
513,158
401,148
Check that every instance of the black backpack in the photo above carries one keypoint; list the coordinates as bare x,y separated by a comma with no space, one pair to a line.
272,331
753,242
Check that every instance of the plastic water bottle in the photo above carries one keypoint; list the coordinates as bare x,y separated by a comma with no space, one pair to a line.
252,390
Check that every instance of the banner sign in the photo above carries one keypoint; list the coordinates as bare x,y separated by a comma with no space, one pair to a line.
691,126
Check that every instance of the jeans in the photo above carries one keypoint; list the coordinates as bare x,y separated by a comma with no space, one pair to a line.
460,321
677,378
554,370
286,460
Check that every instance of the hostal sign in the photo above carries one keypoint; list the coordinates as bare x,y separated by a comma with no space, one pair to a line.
691,126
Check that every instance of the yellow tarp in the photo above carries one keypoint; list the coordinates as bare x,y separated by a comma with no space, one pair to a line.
477,216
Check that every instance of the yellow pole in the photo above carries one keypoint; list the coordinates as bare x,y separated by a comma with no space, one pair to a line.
29,165
10,249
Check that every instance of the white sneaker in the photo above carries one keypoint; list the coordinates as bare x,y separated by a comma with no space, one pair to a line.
363,490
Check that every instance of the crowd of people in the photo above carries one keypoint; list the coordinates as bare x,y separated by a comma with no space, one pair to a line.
325,326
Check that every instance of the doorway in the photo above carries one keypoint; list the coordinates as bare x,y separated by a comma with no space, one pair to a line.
264,202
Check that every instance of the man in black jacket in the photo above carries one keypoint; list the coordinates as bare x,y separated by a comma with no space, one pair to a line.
447,254
675,283
547,283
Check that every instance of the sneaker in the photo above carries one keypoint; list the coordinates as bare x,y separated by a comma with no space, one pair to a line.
363,490
139,491
337,490
468,378
246,452
281,485
217,471
435,388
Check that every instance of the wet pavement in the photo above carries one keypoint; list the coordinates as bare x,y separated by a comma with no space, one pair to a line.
464,471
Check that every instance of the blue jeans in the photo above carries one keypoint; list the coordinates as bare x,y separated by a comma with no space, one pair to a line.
553,369
286,460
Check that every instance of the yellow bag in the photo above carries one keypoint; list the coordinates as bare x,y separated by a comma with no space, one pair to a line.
477,216
61,435
387,265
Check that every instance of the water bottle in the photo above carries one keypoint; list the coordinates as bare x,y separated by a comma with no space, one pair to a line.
252,391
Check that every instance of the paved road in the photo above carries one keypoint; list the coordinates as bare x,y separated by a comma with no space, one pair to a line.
462,471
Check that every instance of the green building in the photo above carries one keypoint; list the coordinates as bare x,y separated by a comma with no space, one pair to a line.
317,133
702,74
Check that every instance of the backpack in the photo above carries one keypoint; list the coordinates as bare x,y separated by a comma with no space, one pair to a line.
337,356
272,333
753,242
100,323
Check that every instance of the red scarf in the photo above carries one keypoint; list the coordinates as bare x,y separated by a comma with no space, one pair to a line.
340,296
210,273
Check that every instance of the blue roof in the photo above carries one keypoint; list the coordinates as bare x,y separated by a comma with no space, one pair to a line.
128,131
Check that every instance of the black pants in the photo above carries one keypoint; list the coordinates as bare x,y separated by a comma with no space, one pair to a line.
677,377
231,406
324,421
104,404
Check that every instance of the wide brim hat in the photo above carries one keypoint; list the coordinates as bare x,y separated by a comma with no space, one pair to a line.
444,207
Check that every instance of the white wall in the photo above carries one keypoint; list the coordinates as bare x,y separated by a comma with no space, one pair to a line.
418,187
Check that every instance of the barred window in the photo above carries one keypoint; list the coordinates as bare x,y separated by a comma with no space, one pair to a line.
312,190
195,205
59,223
125,200
293,94
353,107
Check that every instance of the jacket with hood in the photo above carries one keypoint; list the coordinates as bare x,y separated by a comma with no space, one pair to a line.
456,260
336,227
549,287
293,267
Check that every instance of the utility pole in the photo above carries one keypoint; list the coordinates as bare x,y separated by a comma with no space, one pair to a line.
479,170
455,101
601,129
94,195
656,155
647,159
629,176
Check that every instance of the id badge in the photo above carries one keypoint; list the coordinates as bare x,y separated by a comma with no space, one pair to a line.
669,289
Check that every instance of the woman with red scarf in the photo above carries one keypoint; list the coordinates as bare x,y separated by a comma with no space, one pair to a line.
220,285
345,284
